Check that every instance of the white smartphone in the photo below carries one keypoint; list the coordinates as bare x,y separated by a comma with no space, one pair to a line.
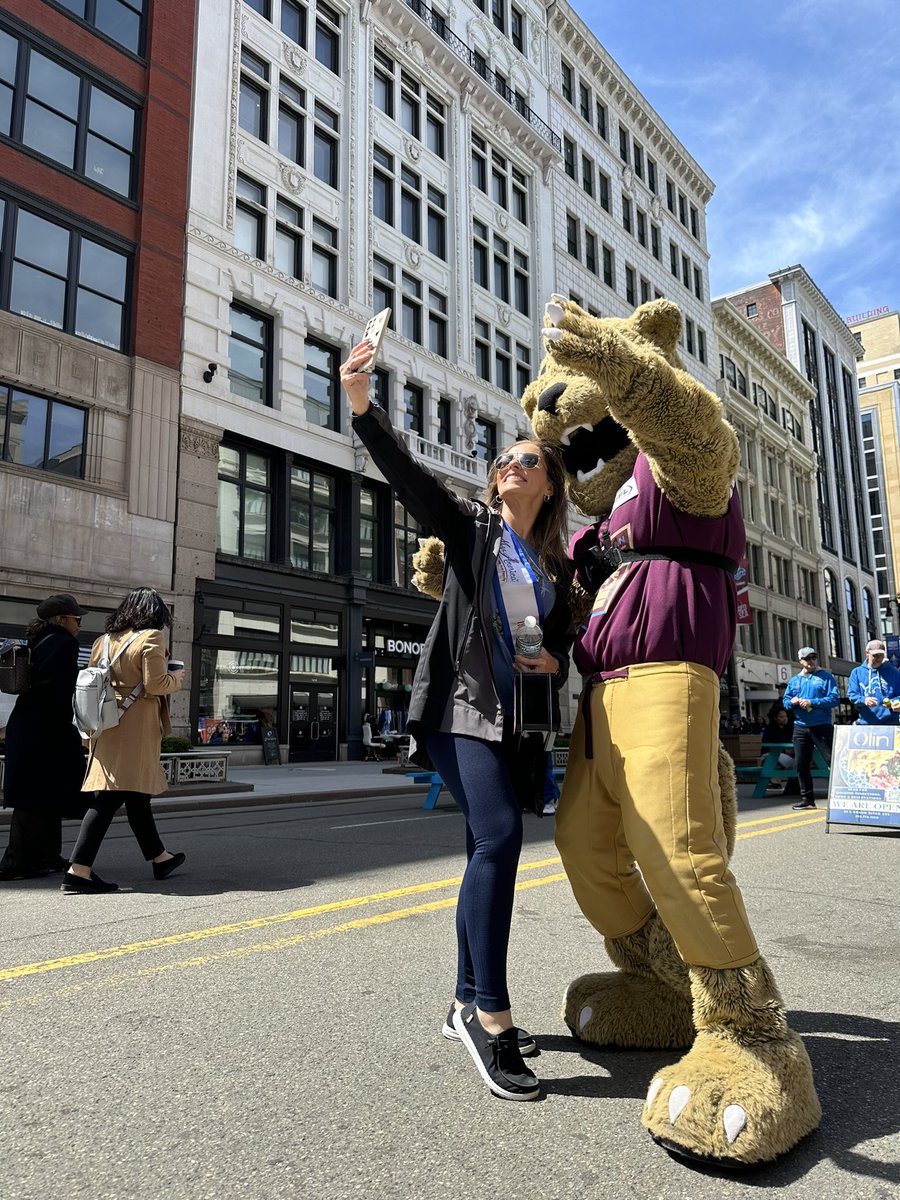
373,333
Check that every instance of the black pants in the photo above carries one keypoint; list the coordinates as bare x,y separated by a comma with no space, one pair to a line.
805,737
35,840
99,818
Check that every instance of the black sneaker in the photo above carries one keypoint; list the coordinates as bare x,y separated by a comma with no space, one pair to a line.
527,1044
75,885
164,869
805,804
497,1057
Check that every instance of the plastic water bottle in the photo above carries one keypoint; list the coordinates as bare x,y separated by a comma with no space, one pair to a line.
530,638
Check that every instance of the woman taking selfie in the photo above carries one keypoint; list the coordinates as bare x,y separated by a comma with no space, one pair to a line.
505,560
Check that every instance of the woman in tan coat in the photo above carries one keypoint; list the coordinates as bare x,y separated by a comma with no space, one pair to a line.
124,766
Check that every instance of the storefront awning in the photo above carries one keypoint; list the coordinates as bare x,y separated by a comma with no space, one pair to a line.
761,694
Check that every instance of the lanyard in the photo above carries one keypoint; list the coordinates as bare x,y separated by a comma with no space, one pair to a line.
526,569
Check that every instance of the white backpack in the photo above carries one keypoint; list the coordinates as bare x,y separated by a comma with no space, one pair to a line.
95,704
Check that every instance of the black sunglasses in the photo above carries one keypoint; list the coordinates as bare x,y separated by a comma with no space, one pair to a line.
526,458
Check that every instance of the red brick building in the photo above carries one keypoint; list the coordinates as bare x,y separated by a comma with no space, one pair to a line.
95,101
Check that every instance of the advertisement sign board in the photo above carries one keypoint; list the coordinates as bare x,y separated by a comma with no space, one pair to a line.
864,786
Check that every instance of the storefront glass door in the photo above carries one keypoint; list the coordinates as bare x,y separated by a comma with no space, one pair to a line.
313,724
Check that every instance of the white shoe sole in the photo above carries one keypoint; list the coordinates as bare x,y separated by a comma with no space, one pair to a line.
495,1087
526,1049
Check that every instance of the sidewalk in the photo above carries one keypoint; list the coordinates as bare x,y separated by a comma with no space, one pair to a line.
297,783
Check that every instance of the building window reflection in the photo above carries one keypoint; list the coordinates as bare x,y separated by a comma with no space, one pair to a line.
238,695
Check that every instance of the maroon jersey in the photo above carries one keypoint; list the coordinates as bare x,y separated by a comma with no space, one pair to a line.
661,611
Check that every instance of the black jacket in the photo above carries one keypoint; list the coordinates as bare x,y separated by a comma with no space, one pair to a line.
454,689
45,762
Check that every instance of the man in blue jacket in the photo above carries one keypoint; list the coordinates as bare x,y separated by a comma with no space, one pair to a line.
875,688
810,696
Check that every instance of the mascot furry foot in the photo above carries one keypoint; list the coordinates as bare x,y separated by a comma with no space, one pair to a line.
644,1005
743,1094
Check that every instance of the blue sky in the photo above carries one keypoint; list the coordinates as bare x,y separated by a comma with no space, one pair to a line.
793,110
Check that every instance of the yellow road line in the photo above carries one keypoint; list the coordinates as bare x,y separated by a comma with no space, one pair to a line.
87,957
204,960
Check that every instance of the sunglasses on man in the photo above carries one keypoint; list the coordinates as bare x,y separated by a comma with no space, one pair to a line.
526,458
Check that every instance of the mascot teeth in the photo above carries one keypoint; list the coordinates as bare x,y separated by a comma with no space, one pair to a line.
584,476
566,435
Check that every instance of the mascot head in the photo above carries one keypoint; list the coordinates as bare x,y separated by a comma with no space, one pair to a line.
571,409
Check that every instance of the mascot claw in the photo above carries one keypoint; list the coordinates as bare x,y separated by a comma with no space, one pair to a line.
743,1106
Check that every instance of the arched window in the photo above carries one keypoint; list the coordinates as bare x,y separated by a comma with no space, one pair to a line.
835,635
869,615
852,618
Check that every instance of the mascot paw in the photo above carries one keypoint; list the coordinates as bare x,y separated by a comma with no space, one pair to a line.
630,1011
428,565
734,1105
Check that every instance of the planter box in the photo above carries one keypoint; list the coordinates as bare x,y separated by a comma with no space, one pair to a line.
195,766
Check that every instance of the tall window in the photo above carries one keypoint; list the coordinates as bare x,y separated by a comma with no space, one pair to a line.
852,619
485,440
250,217
407,532
402,97
325,144
253,100
66,116
244,512
328,36
320,379
250,355
62,278
383,287
832,607
289,238
368,532
412,413
312,520
445,422
323,271
120,20
45,435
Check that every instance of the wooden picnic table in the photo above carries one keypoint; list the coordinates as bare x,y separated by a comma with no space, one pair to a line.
770,768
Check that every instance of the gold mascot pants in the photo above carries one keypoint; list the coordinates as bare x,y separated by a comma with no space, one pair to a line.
650,796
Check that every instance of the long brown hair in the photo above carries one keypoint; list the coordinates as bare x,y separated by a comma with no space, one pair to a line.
550,525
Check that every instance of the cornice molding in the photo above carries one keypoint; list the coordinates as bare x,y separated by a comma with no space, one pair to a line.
727,319
799,275
606,74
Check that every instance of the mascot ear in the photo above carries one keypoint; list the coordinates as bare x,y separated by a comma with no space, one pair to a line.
659,321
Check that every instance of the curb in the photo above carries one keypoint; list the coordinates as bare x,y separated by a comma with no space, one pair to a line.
197,804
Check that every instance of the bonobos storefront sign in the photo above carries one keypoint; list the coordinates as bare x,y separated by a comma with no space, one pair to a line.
864,788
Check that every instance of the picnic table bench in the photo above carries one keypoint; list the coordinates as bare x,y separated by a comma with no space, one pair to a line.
435,783
763,773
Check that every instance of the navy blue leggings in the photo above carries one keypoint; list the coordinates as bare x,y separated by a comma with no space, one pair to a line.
476,774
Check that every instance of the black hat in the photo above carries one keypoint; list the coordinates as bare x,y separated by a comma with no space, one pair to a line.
62,605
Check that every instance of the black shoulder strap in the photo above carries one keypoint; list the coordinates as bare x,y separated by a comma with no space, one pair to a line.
681,554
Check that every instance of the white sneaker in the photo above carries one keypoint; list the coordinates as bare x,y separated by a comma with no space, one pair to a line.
550,808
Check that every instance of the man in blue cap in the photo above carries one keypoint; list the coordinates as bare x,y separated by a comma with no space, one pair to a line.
874,688
810,696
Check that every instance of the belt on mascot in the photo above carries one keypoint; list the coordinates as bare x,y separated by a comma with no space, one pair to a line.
611,557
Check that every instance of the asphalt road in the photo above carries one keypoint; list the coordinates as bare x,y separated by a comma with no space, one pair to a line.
266,1024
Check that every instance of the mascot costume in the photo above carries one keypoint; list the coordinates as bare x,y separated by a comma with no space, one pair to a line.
646,822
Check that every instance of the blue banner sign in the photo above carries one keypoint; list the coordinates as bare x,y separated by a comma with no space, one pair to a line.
892,646
864,787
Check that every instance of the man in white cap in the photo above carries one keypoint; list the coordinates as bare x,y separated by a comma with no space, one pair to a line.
810,696
874,688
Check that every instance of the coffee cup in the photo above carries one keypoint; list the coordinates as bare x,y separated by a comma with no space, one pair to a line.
175,664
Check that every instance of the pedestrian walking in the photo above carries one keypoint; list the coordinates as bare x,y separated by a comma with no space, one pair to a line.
811,696
505,560
44,759
874,688
124,766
